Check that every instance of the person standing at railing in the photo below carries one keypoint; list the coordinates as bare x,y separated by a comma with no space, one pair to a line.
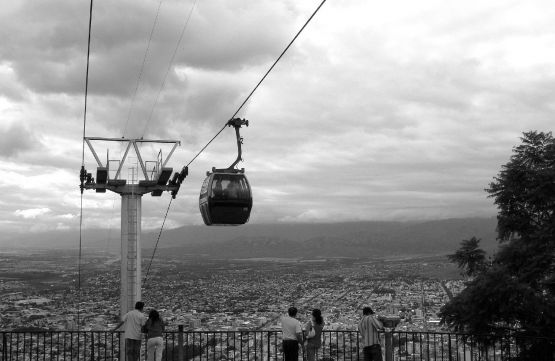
133,321
313,331
292,335
154,329
368,328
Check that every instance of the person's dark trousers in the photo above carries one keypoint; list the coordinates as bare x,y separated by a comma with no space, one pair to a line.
372,353
132,349
290,350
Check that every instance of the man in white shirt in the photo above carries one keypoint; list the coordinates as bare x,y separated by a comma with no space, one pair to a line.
368,328
133,320
292,335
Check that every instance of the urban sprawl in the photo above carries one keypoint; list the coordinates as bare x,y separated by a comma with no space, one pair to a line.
40,291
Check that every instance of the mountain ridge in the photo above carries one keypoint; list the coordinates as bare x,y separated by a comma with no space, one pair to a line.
342,239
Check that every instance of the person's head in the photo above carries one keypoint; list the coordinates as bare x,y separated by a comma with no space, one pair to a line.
317,316
139,305
292,311
367,310
154,315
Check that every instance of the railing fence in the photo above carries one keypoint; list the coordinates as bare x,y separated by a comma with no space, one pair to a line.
266,346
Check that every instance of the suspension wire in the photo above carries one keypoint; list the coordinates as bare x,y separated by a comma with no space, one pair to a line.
156,245
150,117
170,65
261,80
82,173
221,130
139,78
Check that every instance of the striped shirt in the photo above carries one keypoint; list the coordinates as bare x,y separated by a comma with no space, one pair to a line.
368,328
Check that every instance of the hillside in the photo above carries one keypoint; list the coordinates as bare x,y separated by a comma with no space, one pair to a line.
348,239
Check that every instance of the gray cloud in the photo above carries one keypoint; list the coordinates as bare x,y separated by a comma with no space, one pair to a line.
47,42
379,111
16,139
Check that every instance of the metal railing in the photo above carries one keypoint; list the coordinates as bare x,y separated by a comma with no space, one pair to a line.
266,346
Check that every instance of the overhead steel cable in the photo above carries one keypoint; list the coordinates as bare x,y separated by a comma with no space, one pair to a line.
139,78
82,175
150,117
156,245
170,65
261,80
234,114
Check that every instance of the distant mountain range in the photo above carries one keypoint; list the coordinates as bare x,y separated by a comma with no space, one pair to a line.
347,239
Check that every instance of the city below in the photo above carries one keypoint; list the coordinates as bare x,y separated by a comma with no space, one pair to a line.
40,290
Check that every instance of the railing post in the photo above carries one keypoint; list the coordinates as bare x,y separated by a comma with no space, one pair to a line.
388,345
269,346
180,355
92,346
4,346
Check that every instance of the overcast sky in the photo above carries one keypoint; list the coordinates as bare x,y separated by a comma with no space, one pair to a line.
396,110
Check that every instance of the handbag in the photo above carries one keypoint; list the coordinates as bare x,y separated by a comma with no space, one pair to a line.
311,333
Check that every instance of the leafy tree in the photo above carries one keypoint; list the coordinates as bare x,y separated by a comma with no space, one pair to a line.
517,291
470,258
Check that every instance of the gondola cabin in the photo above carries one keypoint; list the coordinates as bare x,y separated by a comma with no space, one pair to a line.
225,199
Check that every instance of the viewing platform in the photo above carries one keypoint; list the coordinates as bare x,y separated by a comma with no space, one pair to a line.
183,345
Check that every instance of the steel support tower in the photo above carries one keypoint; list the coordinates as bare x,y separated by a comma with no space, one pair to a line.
146,177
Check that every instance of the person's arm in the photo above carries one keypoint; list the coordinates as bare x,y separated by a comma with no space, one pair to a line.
118,326
145,326
377,323
299,333
300,338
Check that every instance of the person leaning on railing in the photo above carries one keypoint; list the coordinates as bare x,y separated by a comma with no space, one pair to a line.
368,328
133,320
154,328
313,331
292,335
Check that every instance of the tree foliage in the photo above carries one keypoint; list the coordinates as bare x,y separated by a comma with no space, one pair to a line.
517,290
470,258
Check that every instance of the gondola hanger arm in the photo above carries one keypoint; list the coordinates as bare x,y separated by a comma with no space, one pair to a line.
237,123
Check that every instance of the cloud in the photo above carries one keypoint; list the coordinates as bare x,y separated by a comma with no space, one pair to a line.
11,88
16,138
67,216
378,110
31,213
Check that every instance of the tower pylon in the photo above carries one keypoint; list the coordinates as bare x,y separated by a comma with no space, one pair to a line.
153,177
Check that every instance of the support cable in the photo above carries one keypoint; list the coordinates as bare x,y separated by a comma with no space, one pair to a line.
150,117
142,67
83,174
234,114
260,82
156,245
170,65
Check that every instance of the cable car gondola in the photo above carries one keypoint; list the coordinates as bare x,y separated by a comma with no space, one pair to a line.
225,197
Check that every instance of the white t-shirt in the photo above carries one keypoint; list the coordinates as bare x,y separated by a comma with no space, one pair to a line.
134,320
290,327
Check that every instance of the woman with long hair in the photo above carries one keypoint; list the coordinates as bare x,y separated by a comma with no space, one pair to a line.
154,329
313,330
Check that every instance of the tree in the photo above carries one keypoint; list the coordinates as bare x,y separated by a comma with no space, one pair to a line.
517,291
470,258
